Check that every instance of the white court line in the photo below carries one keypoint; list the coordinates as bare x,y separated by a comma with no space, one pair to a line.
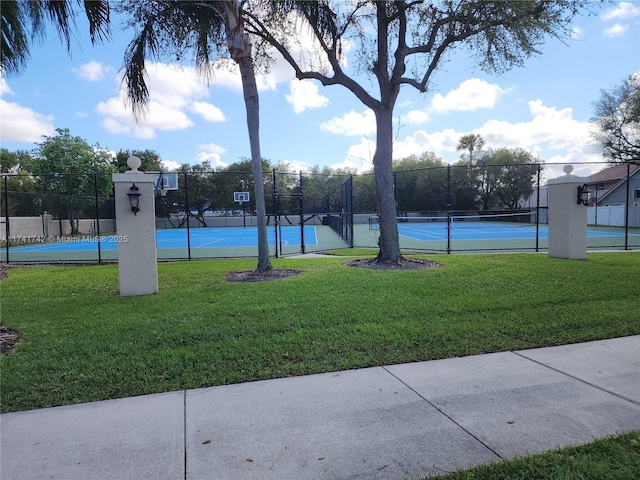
209,243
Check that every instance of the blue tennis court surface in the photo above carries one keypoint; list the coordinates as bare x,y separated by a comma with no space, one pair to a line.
177,238
433,231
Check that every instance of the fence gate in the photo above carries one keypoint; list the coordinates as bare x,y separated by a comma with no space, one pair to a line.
287,202
342,224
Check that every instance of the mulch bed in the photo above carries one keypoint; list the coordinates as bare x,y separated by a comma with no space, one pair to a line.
404,264
255,276
9,338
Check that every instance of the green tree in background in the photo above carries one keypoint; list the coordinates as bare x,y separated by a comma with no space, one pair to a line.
19,184
421,183
617,121
472,142
71,169
150,160
501,177
518,173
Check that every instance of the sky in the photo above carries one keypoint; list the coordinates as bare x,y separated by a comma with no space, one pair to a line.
545,107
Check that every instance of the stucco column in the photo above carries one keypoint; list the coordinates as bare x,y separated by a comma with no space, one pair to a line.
136,232
567,217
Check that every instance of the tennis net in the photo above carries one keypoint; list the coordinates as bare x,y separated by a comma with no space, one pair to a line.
506,220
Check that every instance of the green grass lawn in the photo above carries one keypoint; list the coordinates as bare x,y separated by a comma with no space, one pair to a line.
82,342
613,458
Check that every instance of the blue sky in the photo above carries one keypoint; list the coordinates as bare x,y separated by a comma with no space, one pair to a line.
544,107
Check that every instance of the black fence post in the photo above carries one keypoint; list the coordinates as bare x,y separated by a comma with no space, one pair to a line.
448,208
187,211
300,189
626,210
95,191
276,209
57,177
7,230
350,212
538,209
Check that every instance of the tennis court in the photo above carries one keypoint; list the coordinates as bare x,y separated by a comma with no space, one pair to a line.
177,238
494,227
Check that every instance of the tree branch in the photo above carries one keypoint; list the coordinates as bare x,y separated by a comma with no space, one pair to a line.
256,27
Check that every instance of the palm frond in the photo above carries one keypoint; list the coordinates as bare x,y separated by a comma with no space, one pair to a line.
15,42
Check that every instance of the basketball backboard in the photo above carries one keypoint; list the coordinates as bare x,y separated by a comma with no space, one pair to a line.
165,181
240,197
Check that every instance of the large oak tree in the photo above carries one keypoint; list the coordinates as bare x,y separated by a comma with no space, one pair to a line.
402,43
617,121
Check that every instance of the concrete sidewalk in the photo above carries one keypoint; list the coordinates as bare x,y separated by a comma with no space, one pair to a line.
398,422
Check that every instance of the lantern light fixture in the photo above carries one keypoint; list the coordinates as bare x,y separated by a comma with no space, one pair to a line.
134,198
584,194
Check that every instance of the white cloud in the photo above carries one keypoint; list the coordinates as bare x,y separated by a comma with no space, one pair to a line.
170,165
471,95
226,74
22,124
551,133
118,119
208,111
361,154
304,94
624,10
172,91
353,164
615,31
416,117
4,87
92,71
293,166
421,141
553,128
212,153
175,86
82,114
352,123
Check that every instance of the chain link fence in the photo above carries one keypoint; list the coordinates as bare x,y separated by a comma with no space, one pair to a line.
70,218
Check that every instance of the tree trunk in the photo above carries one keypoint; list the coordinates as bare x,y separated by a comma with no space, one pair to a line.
73,223
389,241
240,49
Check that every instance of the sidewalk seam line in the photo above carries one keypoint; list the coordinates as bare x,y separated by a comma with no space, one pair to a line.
577,378
447,416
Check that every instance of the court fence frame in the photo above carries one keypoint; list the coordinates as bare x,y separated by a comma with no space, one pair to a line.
338,206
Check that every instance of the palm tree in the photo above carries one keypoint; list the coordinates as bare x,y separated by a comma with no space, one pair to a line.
23,21
202,26
471,142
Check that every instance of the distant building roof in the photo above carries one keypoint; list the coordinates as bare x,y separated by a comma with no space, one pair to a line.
615,173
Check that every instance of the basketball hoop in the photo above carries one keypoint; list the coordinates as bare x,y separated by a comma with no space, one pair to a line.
240,197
